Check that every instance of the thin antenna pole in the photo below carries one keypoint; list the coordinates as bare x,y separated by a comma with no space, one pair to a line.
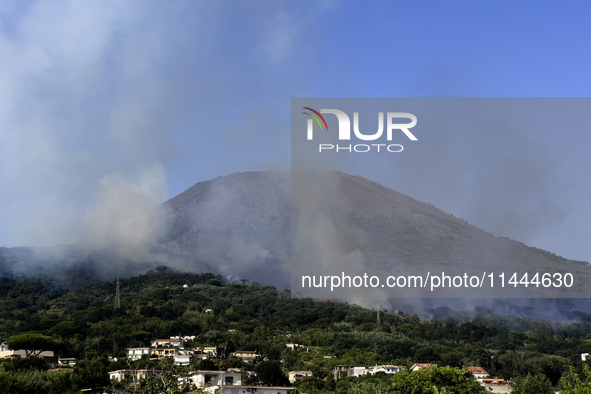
117,296
378,314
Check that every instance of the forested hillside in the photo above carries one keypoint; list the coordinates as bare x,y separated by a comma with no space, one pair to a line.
248,316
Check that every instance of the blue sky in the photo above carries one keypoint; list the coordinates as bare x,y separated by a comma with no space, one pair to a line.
152,97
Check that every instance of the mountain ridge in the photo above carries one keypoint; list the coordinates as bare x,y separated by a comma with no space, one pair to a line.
240,226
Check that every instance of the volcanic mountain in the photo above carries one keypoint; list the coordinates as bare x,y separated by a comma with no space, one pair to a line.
243,226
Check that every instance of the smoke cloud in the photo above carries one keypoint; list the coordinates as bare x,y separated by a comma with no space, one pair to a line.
125,218
94,89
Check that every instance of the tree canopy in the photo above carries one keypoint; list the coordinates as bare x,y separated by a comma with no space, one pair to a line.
532,384
34,344
576,385
428,380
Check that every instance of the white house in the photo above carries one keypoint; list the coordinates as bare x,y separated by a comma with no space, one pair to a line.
182,359
357,371
584,356
479,373
203,379
185,338
135,353
388,369
168,342
136,373
416,367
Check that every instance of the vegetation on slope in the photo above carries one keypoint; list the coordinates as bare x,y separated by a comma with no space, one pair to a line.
248,316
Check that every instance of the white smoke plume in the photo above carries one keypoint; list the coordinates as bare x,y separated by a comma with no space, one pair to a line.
125,217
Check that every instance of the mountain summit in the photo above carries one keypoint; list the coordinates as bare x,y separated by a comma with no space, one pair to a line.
243,225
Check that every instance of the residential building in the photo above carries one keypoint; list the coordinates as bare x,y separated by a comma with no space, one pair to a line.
293,346
478,372
246,355
66,361
185,338
164,352
416,367
584,356
360,371
211,350
135,353
296,375
202,379
496,385
388,369
136,373
170,342
357,371
182,359
341,370
23,353
5,352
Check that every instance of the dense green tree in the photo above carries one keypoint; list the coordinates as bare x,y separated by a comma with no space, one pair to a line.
532,384
90,374
214,282
23,364
576,385
310,384
64,328
426,380
367,388
143,337
269,373
14,384
329,383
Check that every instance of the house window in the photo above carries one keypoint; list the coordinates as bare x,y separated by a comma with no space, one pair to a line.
229,380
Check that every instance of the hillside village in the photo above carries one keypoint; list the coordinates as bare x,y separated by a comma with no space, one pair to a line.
256,339
232,379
